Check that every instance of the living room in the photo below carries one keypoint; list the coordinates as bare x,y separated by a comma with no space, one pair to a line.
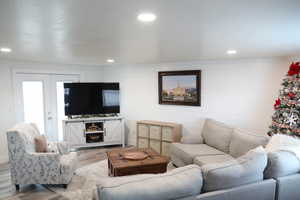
242,56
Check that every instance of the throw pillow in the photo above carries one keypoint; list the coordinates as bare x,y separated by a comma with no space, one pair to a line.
244,170
40,144
280,142
281,163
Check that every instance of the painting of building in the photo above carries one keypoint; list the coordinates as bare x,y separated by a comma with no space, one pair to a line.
180,89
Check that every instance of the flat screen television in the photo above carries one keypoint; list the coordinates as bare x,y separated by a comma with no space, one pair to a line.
91,98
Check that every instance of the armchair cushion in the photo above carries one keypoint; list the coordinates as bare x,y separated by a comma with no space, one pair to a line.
59,147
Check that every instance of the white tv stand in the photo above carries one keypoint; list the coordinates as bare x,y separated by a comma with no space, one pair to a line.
96,131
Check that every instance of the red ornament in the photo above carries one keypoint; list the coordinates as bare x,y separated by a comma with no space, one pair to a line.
291,95
294,69
277,104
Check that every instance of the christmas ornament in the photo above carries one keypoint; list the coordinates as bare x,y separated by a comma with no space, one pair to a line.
294,69
277,103
291,94
292,119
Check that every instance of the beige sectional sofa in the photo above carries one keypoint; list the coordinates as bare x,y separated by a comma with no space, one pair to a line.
231,180
218,143
221,163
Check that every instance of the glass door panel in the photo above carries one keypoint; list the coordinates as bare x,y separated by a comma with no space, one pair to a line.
33,100
39,99
60,99
59,103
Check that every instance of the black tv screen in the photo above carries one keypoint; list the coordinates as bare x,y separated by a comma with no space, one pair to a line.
91,98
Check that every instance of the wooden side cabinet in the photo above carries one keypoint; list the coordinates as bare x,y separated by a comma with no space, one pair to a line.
158,135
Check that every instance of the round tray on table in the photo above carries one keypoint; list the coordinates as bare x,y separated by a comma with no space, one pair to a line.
135,155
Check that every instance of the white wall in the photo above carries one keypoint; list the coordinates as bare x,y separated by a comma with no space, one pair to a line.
7,112
238,92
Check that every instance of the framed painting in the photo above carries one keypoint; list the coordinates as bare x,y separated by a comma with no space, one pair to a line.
180,87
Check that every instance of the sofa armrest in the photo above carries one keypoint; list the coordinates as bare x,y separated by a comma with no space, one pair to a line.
41,168
51,160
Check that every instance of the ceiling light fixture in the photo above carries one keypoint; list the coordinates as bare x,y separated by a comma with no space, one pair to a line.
146,17
231,52
5,50
110,60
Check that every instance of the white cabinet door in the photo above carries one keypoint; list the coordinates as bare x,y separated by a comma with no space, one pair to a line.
113,131
74,133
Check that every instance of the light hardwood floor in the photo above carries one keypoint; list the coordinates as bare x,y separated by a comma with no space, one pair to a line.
39,192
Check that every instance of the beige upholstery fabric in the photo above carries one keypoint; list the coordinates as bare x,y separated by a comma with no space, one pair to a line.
179,183
243,170
192,139
203,160
217,135
242,142
187,152
281,163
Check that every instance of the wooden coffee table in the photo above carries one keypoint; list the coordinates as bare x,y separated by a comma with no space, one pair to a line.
119,166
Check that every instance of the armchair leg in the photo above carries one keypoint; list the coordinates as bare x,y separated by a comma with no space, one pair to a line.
17,187
65,186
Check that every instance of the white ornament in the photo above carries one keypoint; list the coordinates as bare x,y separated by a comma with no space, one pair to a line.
295,89
292,119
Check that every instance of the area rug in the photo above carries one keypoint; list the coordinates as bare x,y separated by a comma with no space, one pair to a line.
84,183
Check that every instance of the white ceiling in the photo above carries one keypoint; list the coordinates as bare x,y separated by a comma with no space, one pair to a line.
90,31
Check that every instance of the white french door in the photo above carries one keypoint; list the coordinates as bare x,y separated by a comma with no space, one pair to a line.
39,98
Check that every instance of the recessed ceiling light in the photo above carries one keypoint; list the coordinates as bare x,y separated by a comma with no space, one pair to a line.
5,50
231,52
146,17
110,60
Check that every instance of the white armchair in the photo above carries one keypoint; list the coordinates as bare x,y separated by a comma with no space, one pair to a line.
30,167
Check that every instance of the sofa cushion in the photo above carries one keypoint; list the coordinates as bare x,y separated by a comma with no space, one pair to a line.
281,163
244,170
179,183
217,135
242,141
203,160
192,139
187,152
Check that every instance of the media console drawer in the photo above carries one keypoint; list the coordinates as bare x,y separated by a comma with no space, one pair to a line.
158,135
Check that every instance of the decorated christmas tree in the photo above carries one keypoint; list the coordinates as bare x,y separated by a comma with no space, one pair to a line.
286,119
